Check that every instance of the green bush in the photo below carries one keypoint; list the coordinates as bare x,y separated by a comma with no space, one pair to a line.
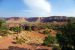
3,28
17,29
49,40
66,38
46,32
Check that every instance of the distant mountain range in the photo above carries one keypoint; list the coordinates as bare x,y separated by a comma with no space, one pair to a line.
39,19
17,21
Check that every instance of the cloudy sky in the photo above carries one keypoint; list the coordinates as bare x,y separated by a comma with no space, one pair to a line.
37,8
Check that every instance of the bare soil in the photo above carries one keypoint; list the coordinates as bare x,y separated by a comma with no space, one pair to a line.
6,43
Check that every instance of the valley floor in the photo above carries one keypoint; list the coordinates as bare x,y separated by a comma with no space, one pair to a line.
6,43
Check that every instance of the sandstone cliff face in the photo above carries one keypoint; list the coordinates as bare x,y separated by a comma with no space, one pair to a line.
16,21
37,19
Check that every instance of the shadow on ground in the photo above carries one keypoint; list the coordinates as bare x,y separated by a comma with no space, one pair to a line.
15,48
18,48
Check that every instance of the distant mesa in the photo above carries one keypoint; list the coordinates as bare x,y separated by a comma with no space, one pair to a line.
16,21
37,19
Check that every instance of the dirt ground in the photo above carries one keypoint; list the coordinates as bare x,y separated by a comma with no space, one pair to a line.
6,43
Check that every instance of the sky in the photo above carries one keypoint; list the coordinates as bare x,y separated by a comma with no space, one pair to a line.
37,8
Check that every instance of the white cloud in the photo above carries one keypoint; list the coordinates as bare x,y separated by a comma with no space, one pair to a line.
38,7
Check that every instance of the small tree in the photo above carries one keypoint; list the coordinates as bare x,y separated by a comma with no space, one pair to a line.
49,40
67,38
17,29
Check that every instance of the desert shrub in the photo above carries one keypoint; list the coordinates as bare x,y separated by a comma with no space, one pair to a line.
2,22
4,33
56,48
29,29
49,40
46,32
16,29
3,28
20,40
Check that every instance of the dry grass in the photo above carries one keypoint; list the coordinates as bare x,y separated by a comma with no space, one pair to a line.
32,37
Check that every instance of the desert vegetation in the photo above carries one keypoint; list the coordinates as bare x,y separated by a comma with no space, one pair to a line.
3,28
41,35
